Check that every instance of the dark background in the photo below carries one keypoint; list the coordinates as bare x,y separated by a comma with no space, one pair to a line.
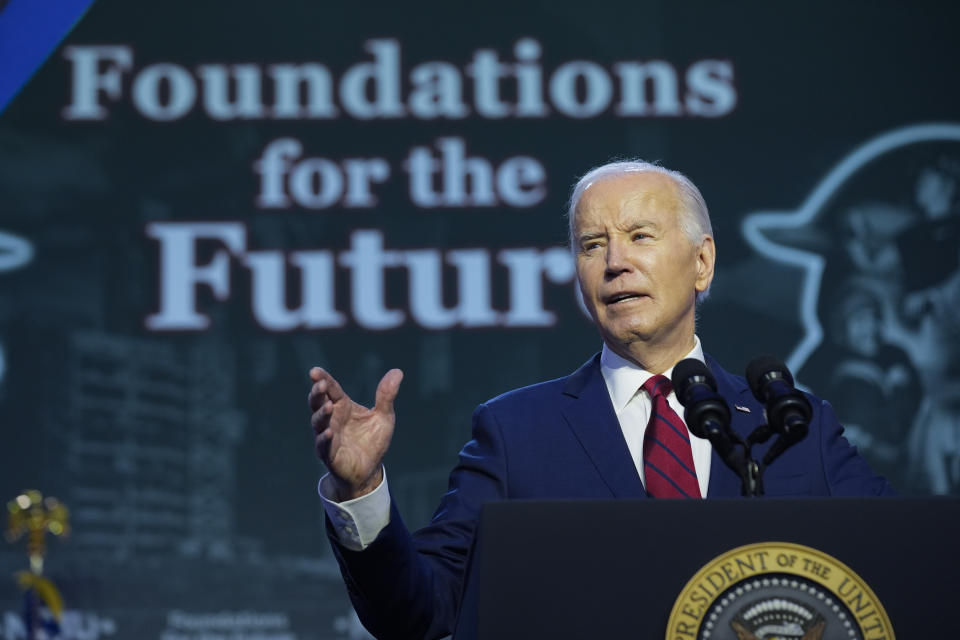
186,457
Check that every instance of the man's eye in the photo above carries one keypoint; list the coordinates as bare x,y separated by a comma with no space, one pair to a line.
590,246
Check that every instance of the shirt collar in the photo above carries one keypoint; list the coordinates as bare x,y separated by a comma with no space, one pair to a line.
624,378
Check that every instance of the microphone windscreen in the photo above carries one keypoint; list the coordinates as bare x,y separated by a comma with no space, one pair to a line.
686,372
759,368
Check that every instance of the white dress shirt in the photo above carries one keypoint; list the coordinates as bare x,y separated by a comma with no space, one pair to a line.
358,522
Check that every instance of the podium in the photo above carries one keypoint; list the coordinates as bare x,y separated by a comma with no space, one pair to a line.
615,569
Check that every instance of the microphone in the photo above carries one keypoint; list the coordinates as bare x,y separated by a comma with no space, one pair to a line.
788,410
705,411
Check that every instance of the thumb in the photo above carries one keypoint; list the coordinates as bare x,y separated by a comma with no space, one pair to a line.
387,390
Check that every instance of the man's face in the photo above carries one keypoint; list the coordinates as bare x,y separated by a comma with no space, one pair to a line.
638,271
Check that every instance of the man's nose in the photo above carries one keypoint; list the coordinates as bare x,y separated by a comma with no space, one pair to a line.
617,258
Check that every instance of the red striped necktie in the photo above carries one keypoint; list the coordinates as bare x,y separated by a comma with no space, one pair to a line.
667,457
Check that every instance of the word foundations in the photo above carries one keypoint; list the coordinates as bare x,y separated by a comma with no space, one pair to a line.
379,87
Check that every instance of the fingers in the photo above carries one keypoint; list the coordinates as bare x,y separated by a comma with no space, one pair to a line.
387,390
320,419
322,445
326,393
325,388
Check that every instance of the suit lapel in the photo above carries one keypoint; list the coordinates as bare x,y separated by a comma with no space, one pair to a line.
589,413
724,483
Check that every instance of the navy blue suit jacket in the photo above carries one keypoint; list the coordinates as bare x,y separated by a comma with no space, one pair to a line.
560,440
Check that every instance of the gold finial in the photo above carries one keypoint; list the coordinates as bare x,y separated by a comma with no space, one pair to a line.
33,515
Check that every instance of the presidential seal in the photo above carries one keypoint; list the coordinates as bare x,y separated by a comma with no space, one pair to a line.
777,591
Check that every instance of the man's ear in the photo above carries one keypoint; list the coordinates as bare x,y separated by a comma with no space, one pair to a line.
706,258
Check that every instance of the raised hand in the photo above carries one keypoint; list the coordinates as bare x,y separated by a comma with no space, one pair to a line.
352,439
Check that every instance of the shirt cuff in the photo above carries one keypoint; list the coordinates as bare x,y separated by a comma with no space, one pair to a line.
357,522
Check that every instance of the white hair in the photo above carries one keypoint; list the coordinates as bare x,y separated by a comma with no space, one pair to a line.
694,216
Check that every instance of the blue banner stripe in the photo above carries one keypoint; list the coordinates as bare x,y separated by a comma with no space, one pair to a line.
29,32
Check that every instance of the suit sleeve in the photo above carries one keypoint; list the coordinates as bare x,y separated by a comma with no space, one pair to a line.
409,586
847,473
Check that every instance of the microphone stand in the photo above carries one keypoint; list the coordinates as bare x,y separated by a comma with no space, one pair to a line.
735,453
738,456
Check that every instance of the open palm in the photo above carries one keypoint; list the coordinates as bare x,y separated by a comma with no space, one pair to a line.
351,439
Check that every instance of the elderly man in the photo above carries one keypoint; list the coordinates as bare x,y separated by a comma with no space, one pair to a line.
645,253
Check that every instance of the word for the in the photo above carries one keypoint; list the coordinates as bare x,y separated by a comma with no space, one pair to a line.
445,178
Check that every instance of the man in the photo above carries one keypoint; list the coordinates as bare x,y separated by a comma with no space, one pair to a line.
644,255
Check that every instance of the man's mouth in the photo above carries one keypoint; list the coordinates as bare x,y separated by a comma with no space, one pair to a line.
623,297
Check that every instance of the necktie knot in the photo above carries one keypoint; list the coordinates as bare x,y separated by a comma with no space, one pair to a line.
658,386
